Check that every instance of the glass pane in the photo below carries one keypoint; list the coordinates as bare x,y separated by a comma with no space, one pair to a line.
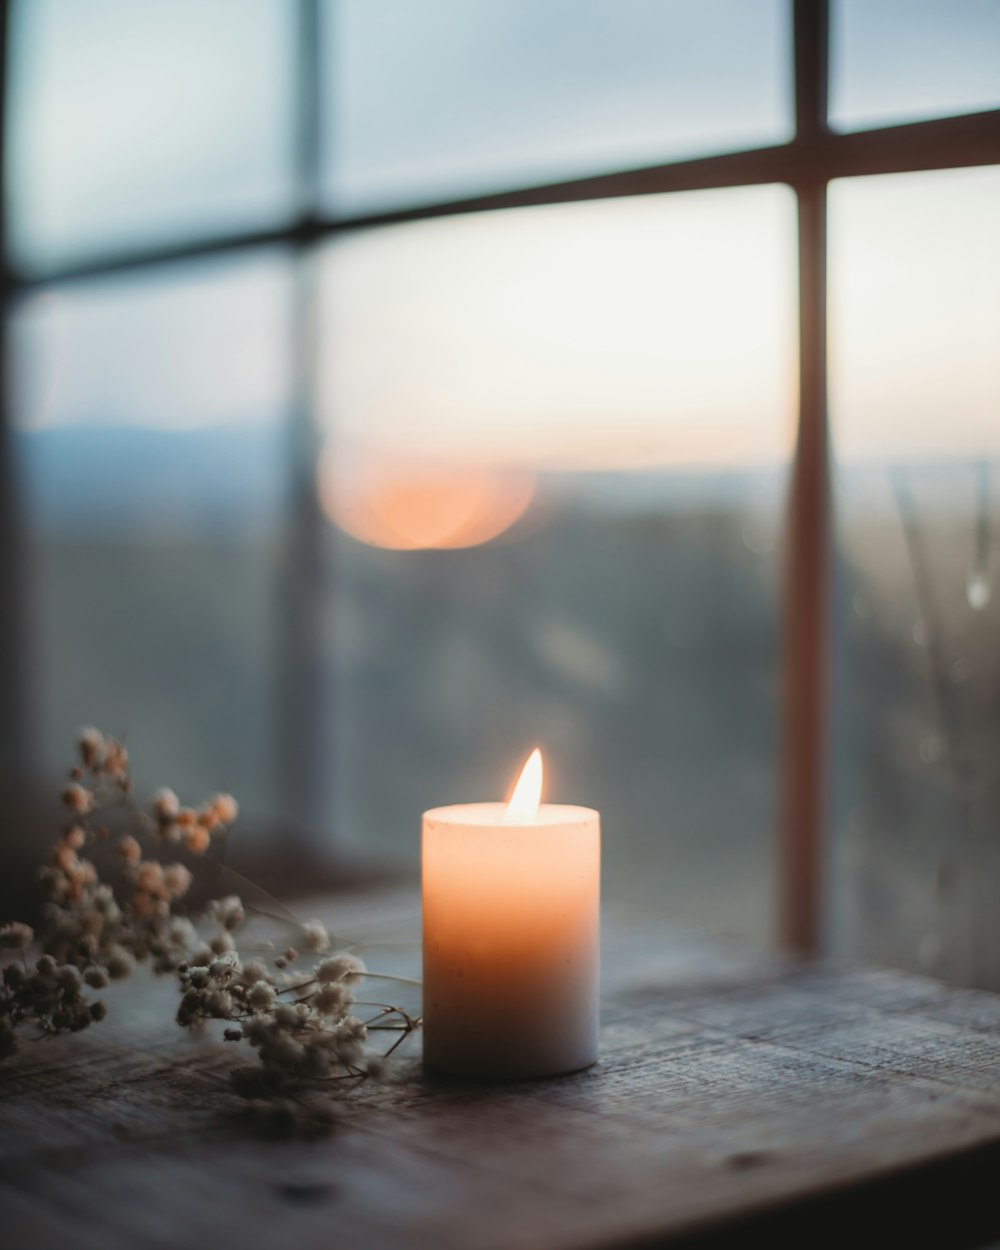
556,454
915,377
143,123
904,60
444,98
149,436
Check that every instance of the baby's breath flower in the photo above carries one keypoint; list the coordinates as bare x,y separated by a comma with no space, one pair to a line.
182,932
92,747
253,970
228,911
116,762
347,968
149,877
130,850
14,976
177,879
351,1029
74,837
314,937
68,977
16,936
332,999
78,798
119,963
258,1030
85,873
281,1050
165,804
261,996
285,1016
65,859
225,808
196,839
91,937
219,1003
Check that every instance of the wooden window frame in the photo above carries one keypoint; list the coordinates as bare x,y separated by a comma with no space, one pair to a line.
807,163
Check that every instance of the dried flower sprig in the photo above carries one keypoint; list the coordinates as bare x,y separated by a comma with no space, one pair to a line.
306,1024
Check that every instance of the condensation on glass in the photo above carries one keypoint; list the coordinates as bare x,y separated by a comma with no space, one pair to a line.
907,60
148,430
915,401
140,124
444,98
556,449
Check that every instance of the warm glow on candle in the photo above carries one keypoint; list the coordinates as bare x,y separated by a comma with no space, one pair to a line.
511,899
523,806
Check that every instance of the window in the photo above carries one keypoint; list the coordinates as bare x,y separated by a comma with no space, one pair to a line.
149,416
442,99
914,410
426,380
622,437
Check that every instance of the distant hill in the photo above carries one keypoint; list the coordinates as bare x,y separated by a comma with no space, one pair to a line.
232,478
226,477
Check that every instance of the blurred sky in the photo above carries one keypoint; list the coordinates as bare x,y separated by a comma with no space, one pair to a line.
630,334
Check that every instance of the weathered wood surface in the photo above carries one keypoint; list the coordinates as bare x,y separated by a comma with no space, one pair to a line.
730,1083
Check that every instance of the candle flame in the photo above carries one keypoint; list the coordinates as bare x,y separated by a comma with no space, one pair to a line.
523,806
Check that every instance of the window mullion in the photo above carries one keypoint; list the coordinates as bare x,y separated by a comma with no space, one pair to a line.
806,608
14,727
303,718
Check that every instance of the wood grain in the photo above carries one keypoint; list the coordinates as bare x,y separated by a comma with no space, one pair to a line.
734,1090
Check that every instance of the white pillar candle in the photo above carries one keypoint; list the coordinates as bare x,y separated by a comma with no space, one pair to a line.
511,932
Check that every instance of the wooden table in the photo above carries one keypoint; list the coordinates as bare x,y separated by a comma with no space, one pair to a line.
738,1094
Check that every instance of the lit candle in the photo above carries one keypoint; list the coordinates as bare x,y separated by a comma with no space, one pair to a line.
511,928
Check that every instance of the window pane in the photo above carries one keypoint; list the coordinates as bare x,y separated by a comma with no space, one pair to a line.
143,123
444,98
903,60
149,434
557,442
915,376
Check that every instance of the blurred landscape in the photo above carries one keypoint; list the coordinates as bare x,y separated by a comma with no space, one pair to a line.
628,624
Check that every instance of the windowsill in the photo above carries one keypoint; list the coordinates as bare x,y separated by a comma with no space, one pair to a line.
737,1092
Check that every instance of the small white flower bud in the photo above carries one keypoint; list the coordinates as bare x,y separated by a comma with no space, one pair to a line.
130,850
119,963
166,804
15,936
77,798
261,996
253,970
219,1003
340,967
314,937
225,808
177,879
